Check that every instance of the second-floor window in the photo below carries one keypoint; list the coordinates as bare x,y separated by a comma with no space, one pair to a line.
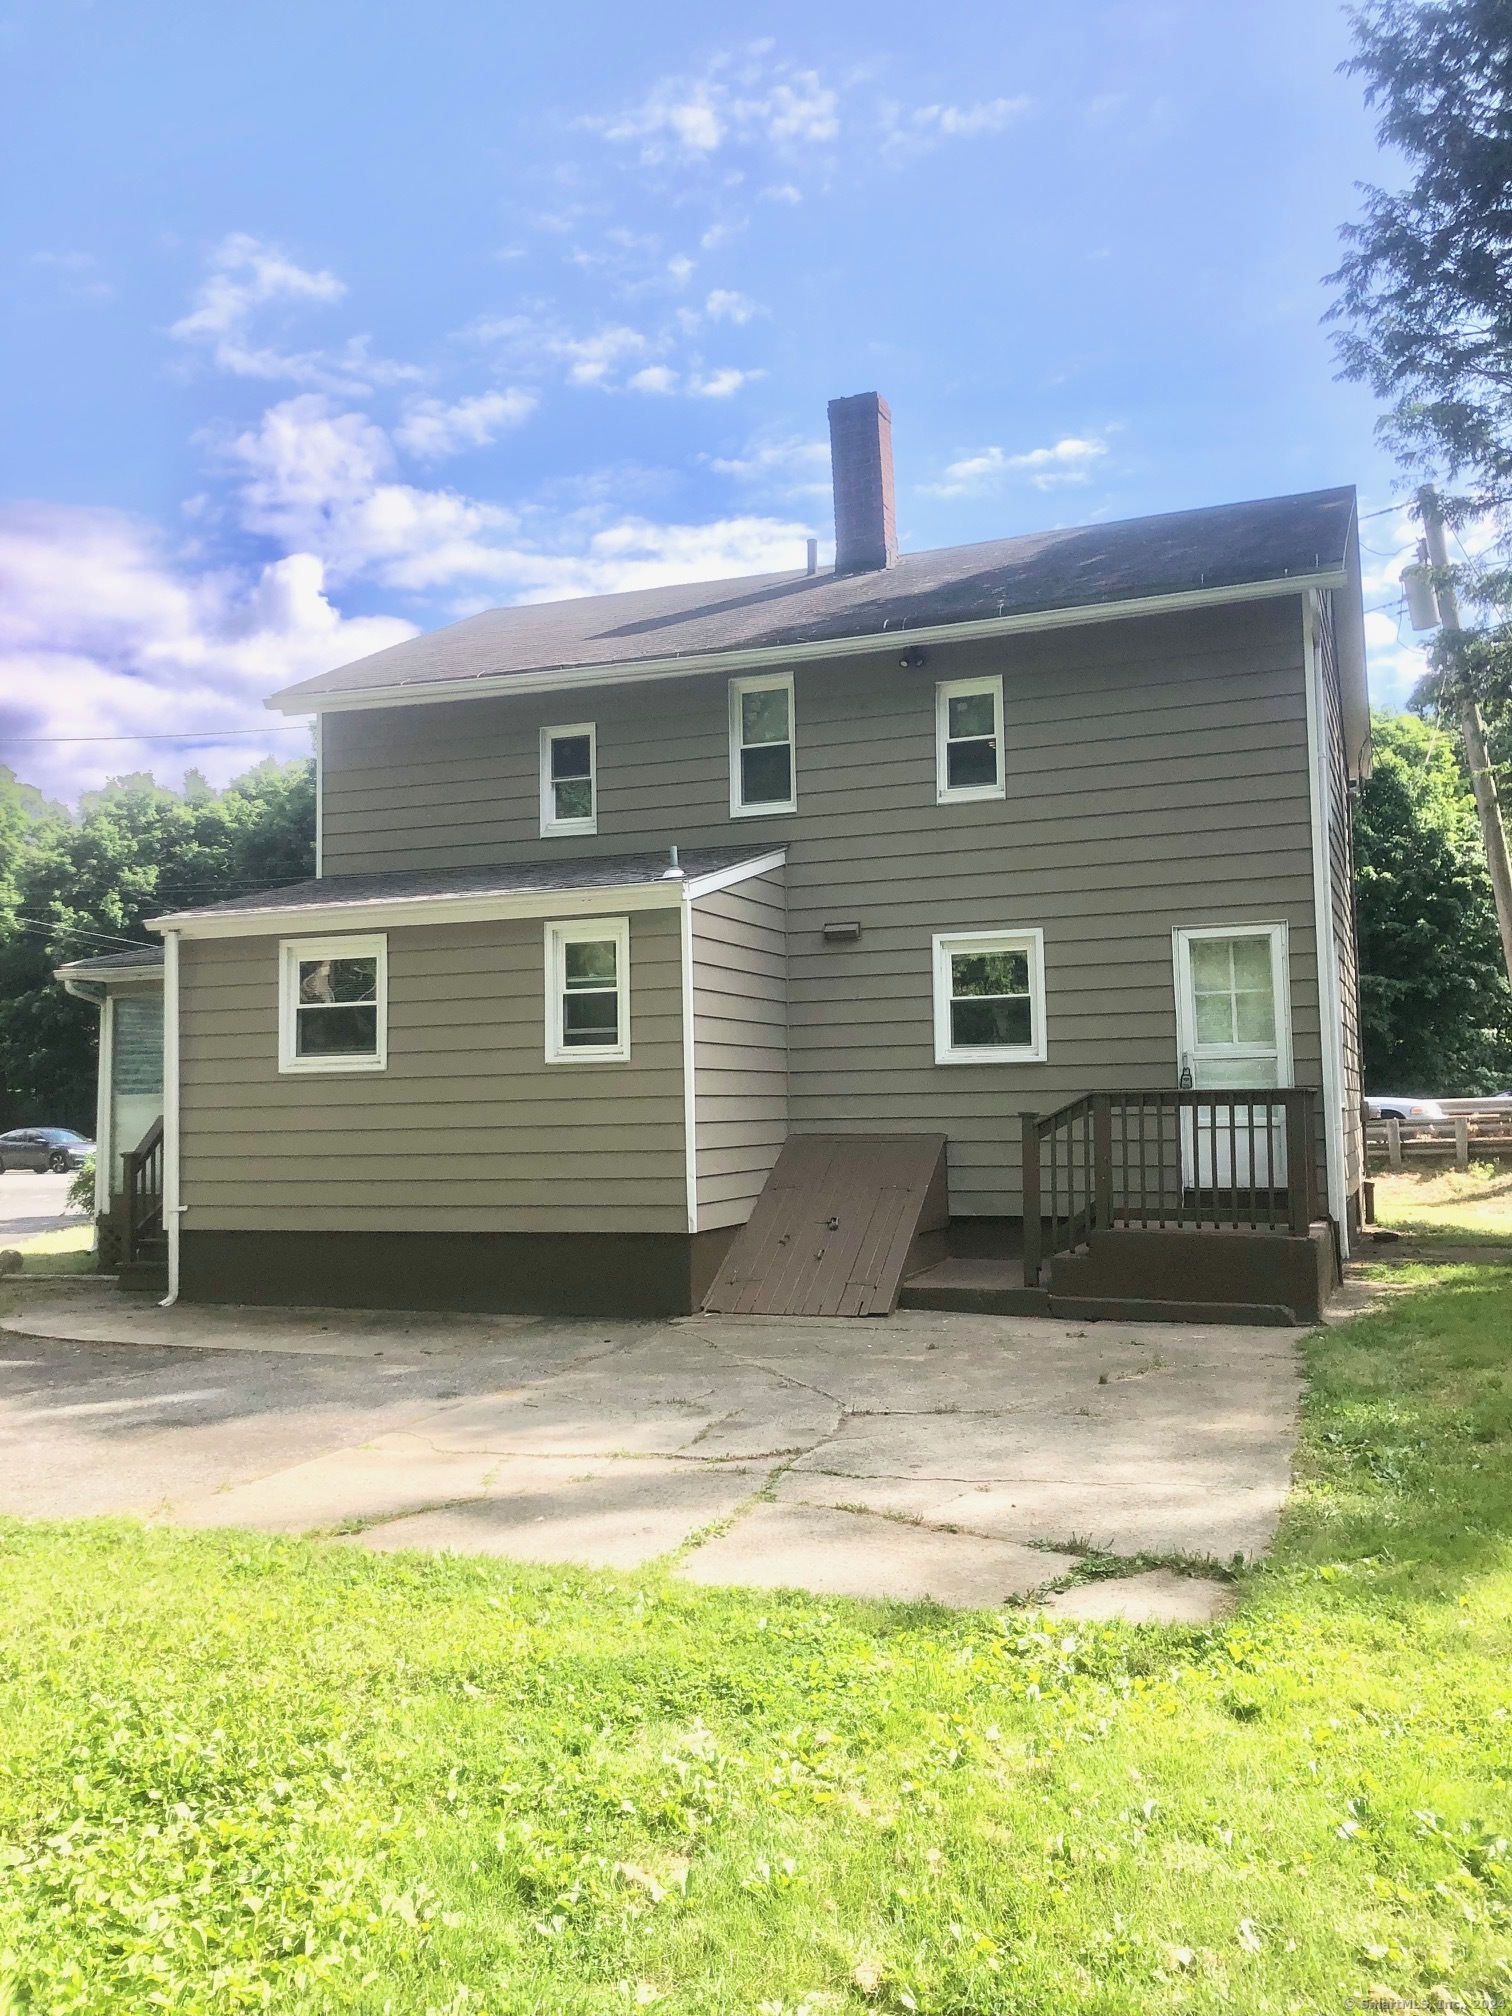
968,739
763,768
569,779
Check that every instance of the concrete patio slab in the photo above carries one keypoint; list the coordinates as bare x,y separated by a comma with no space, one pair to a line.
614,1443
1157,1597
855,1554
619,1515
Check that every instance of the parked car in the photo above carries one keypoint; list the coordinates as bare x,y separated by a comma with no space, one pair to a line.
1389,1107
57,1148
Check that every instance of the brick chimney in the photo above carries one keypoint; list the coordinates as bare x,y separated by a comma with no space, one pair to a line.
866,533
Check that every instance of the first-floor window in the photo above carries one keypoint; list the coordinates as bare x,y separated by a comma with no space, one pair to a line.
989,997
333,1004
588,991
569,788
762,774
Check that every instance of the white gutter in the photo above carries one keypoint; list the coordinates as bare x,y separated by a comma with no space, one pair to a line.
563,678
103,1146
1330,1020
173,1209
382,912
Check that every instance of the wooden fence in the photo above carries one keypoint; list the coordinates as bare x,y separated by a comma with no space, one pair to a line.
1478,1131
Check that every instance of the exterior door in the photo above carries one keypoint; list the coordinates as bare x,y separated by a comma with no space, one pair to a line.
1233,1028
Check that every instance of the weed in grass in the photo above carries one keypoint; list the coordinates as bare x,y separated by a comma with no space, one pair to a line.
239,1773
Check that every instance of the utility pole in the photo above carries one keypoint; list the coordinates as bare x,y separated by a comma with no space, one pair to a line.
1472,729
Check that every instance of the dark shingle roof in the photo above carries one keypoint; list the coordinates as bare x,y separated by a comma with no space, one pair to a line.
1227,546
109,963
613,871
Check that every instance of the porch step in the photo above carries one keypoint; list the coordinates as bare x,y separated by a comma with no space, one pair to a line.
147,1276
975,1287
842,1219
1197,1276
996,1288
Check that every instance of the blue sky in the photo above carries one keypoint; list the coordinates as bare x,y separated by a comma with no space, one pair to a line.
331,321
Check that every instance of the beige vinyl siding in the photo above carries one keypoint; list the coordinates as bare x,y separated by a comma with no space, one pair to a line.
740,1048
1156,775
468,1129
1342,897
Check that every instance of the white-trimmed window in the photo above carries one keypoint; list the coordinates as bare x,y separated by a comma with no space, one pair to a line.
763,747
333,1004
569,779
588,991
989,997
968,739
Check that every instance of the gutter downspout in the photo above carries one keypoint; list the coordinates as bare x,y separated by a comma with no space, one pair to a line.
172,1208
1330,1024
690,1060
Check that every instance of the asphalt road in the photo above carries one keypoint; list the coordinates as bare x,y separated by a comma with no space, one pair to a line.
31,1204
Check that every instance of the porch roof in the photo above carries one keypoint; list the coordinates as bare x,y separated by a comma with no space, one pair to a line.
521,888
112,965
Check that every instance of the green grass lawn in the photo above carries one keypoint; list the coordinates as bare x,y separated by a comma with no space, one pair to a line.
239,1773
1449,1207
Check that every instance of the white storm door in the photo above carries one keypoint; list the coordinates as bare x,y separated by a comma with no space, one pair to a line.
1233,1028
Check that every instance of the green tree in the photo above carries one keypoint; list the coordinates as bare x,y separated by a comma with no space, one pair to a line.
71,887
1436,1009
1426,283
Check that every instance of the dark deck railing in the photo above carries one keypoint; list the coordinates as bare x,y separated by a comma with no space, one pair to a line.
143,1166
1237,1159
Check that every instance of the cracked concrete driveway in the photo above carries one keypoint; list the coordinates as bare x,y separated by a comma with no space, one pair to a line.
955,1457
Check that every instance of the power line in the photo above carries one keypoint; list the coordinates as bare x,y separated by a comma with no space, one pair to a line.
56,930
210,735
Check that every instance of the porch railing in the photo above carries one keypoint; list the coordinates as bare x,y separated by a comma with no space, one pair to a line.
143,1170
1239,1159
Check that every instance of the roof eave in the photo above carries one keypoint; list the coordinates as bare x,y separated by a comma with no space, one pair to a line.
563,678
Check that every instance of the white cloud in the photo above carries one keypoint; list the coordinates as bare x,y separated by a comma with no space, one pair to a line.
246,276
655,378
793,467
720,384
966,122
1070,460
78,274
636,553
736,100
320,481
725,305
681,268
103,632
594,358
431,430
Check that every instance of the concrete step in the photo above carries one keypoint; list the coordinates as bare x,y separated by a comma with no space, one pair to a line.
142,1277
974,1287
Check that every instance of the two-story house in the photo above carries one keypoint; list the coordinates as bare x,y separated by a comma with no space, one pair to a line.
619,897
